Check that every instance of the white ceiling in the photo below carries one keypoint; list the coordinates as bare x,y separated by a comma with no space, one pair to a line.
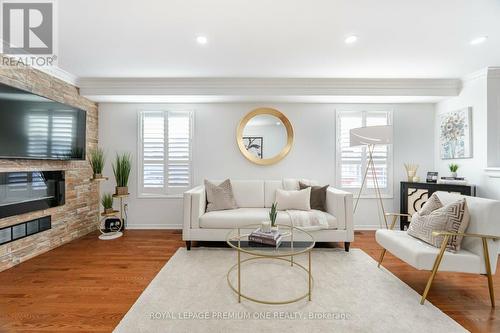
278,38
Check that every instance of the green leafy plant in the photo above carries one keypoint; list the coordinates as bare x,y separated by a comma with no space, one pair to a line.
453,167
107,201
273,213
121,169
97,160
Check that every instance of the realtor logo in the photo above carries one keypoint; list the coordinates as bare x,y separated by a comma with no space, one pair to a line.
28,28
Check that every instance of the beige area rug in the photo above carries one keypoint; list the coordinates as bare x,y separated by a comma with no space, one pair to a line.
350,294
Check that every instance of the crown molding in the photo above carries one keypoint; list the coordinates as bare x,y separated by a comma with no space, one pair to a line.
482,73
267,87
488,72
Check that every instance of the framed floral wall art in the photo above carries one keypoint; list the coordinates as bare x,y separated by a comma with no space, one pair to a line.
455,134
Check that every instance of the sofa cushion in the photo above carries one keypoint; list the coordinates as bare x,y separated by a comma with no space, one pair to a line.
318,196
248,193
421,255
453,217
228,219
296,200
430,205
270,187
220,196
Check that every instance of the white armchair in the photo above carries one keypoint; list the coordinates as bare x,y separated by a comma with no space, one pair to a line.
481,239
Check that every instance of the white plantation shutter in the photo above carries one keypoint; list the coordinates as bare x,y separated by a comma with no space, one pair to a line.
380,152
179,150
153,152
165,150
352,161
350,157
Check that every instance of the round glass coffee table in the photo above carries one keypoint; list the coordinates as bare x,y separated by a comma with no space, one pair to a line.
295,242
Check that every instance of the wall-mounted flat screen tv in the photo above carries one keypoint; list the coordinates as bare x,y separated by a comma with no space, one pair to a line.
34,127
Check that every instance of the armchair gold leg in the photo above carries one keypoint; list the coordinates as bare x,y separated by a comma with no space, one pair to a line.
394,220
488,272
435,268
381,257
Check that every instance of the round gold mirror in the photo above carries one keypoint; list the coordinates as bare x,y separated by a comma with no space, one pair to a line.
265,136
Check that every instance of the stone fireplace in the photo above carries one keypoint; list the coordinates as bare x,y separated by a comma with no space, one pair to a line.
77,214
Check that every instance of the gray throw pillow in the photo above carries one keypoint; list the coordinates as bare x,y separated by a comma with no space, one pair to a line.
220,197
318,196
453,217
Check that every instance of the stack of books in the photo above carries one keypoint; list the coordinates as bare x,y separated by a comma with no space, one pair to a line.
453,181
272,238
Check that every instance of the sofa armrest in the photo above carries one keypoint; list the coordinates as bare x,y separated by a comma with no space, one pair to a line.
339,204
194,206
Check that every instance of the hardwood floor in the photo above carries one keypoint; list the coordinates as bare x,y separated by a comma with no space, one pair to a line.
88,285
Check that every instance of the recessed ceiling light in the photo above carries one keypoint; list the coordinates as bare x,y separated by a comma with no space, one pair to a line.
478,40
202,40
351,39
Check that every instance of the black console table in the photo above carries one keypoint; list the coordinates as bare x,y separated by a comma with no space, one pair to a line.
414,195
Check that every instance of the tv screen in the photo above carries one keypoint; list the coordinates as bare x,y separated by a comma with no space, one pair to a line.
34,127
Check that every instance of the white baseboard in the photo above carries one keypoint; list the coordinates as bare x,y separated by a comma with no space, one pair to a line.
366,227
155,226
179,227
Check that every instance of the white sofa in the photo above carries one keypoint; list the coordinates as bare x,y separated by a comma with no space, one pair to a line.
254,198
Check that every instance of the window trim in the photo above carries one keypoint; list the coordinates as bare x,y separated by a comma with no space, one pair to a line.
165,195
387,193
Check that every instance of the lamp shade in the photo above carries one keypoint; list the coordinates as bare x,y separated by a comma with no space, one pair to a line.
371,135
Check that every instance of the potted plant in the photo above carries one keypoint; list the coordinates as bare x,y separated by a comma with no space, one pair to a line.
121,170
97,160
107,203
453,169
273,213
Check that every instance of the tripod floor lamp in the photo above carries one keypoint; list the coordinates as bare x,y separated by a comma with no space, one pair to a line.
369,137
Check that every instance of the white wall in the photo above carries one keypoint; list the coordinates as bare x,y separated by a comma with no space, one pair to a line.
475,94
216,154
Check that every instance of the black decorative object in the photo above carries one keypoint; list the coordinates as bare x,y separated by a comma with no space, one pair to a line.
414,195
27,191
113,224
432,177
254,144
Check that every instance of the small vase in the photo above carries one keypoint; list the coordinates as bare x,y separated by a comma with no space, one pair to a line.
275,228
411,175
97,175
108,211
121,190
454,174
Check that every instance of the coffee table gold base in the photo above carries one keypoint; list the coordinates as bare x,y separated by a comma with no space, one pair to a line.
291,261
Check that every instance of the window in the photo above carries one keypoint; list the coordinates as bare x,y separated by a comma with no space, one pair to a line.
164,153
352,161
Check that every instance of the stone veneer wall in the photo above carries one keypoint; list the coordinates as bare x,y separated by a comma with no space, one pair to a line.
79,215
